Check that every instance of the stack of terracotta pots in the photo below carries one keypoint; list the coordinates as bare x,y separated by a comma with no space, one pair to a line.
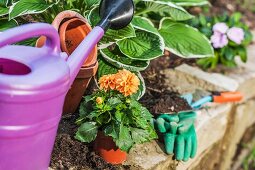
73,28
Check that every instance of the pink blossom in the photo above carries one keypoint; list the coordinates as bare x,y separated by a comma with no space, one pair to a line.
236,35
219,40
220,27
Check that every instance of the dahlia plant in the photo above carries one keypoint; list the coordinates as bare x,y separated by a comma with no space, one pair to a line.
115,111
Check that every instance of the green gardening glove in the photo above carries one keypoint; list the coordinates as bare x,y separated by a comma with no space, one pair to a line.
186,145
179,134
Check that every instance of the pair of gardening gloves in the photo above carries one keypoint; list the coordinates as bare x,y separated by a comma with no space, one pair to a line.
179,134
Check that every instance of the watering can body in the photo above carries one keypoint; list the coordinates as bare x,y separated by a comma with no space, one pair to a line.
33,86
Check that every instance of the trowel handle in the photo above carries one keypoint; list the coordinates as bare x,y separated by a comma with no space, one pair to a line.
228,97
28,31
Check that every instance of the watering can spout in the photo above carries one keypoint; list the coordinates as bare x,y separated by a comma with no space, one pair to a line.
115,14
79,56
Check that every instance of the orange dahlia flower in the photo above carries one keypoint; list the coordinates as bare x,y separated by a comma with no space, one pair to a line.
126,82
107,82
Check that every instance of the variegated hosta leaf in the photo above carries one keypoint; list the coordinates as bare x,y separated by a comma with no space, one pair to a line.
164,8
190,2
106,68
119,60
142,87
184,41
145,24
145,46
5,24
24,7
110,36
3,11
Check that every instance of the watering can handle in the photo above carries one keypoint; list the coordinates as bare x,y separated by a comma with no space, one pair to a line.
27,31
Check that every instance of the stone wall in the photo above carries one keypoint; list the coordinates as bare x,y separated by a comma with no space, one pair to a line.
219,128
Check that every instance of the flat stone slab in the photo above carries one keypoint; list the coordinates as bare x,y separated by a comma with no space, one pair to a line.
151,155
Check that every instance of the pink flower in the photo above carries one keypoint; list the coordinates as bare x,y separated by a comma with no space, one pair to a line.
236,35
220,27
219,40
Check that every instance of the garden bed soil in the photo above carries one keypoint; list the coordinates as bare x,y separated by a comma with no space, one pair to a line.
157,99
70,154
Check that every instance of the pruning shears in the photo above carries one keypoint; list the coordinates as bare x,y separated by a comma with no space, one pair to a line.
216,97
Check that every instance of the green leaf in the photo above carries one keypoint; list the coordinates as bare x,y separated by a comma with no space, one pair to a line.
5,3
191,2
104,118
88,98
30,42
116,35
242,52
184,40
118,115
142,88
5,24
113,101
146,113
143,23
124,141
177,13
24,7
91,3
140,135
229,53
84,109
112,130
145,46
105,68
3,11
119,60
87,132
110,36
92,114
210,62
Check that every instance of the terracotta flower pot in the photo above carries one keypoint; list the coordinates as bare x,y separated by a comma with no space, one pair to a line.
73,28
105,147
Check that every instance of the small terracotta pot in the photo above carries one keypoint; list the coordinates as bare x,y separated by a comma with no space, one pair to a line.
105,147
73,28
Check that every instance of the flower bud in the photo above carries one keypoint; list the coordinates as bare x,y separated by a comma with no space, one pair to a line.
99,100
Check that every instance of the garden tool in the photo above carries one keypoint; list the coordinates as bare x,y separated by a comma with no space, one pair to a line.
179,134
34,83
218,97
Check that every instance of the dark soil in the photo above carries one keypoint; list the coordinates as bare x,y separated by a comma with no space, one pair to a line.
69,153
157,99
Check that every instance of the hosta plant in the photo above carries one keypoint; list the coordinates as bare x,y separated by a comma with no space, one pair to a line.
114,111
157,26
229,37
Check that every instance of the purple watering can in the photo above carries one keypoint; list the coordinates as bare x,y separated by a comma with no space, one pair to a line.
34,82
